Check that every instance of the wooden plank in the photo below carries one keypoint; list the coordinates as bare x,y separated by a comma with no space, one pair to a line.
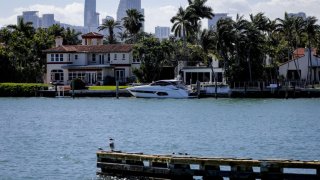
208,161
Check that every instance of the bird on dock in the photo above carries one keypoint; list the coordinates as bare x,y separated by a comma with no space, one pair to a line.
111,144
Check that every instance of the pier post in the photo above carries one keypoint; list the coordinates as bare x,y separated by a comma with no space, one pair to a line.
246,170
271,171
180,171
198,89
117,89
72,85
286,93
216,86
211,172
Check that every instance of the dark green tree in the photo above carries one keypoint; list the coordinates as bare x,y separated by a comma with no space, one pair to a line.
133,22
153,55
110,25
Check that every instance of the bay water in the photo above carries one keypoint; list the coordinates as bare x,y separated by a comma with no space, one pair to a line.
57,138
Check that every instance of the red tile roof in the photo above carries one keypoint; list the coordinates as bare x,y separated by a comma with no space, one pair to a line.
92,35
299,52
111,48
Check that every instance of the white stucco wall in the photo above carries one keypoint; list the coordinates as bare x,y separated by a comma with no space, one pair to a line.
51,67
119,59
300,64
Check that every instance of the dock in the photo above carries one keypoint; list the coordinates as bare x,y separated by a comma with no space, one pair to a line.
142,166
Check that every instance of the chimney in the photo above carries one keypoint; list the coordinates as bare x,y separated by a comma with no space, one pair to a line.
59,41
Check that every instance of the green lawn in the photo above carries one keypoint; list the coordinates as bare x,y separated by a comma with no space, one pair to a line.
106,88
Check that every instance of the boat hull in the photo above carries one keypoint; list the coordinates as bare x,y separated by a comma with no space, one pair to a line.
141,92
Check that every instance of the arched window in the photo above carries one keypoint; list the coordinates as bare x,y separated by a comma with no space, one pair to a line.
57,75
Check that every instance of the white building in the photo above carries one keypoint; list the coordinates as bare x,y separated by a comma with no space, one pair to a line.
31,16
92,61
212,23
204,74
162,32
299,14
302,66
47,20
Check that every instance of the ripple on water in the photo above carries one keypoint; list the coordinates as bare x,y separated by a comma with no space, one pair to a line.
53,138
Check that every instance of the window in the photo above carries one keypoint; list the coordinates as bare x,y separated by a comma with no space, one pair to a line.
99,76
136,60
70,78
101,59
69,57
56,75
76,56
61,57
115,57
52,57
57,57
120,75
93,57
123,56
109,58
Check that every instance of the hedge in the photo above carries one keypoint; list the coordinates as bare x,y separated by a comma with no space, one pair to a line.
20,89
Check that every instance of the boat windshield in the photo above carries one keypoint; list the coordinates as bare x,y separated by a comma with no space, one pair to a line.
177,84
161,83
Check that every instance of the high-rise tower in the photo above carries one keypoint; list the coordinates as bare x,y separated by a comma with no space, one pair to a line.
124,5
91,17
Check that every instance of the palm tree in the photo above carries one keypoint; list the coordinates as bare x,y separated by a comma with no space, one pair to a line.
182,26
25,28
110,24
286,28
206,40
224,37
71,37
56,30
298,27
240,25
123,36
311,29
133,22
199,10
260,21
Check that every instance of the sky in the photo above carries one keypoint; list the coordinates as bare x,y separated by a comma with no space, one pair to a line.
157,12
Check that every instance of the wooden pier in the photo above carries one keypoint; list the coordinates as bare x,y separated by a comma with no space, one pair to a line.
141,166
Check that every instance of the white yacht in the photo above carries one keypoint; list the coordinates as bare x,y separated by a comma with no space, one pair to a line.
161,89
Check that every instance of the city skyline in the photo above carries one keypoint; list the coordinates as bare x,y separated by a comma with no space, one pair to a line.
72,11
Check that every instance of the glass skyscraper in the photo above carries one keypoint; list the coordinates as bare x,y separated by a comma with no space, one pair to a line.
124,5
91,17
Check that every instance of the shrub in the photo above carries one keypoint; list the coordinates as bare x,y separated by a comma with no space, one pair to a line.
108,80
78,84
20,89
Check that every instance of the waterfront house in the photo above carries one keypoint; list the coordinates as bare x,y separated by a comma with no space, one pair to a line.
301,67
203,73
92,61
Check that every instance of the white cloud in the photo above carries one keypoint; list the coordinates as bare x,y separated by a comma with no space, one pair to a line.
272,8
276,8
232,6
159,17
8,20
